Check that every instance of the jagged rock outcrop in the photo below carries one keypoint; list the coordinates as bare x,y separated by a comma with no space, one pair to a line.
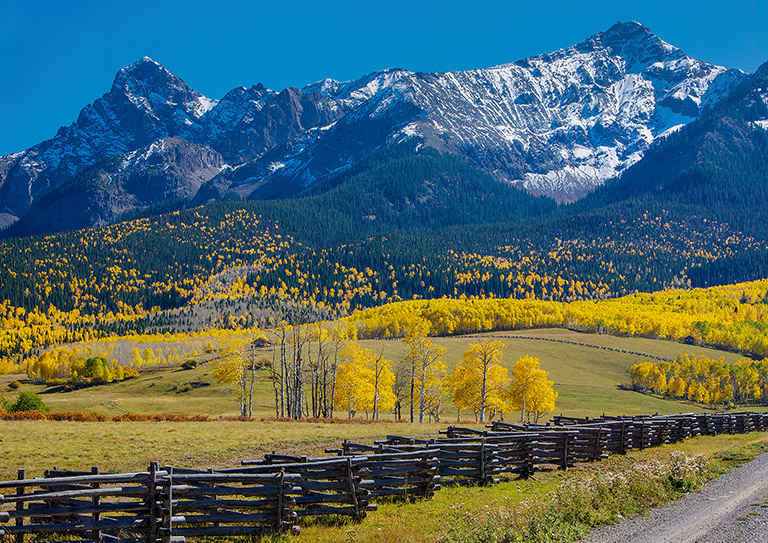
558,124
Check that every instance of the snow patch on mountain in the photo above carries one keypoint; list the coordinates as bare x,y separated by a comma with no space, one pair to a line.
557,124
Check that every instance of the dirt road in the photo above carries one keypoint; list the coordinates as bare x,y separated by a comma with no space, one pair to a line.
732,508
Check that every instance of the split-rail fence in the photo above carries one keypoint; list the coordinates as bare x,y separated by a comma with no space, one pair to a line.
169,505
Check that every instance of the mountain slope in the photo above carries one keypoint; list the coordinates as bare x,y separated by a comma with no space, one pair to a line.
400,188
165,174
716,167
713,171
557,124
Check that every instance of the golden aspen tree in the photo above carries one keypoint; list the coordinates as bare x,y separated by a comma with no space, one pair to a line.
235,366
437,387
424,359
364,381
530,391
640,374
542,400
354,380
676,387
479,379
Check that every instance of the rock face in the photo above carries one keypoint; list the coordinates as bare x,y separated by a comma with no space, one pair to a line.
557,124
146,103
167,170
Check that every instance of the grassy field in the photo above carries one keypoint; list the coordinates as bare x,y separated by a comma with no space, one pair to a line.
121,446
587,379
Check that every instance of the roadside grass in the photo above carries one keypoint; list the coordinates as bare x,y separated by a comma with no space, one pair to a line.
587,379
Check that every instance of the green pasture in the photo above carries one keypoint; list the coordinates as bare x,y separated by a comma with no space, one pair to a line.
588,379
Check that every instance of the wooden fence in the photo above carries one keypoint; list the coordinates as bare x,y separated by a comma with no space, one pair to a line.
167,505
94,507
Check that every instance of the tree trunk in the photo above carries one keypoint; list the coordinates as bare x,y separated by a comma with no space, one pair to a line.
483,393
413,378
422,394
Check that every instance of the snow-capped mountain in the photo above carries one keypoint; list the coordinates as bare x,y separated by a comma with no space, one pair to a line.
146,103
557,124
168,171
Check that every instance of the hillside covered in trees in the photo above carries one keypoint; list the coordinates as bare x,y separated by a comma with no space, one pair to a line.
405,223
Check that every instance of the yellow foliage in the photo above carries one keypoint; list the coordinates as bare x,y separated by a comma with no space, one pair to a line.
479,380
363,381
530,392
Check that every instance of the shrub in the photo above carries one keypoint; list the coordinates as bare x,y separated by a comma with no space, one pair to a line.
28,402
129,373
14,385
580,503
189,365
78,416
24,415
162,417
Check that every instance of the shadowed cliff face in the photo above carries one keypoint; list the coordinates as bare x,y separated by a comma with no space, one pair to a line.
168,170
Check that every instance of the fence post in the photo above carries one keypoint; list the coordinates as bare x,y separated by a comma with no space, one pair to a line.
152,503
96,534
598,450
213,485
21,475
482,462
168,509
352,488
623,445
566,439
280,492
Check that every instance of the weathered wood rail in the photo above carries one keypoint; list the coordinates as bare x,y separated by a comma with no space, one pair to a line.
326,486
91,506
387,474
168,505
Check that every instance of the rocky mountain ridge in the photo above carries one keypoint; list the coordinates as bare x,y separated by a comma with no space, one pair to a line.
557,124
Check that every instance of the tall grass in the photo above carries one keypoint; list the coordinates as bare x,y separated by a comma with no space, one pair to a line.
580,503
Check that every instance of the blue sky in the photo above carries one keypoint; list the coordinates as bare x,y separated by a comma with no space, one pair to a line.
56,57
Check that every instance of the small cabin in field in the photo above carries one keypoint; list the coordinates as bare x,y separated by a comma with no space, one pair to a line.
690,340
260,343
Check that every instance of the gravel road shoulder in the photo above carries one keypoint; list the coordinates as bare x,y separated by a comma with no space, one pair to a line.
732,508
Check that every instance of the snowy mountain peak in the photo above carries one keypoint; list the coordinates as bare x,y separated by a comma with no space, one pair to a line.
147,71
150,87
633,42
557,124
627,30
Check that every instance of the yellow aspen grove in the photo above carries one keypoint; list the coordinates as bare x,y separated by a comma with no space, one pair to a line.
479,379
530,391
425,363
354,381
363,381
703,380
